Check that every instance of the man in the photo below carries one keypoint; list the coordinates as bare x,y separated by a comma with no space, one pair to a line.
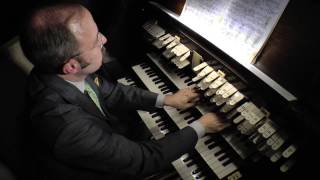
77,136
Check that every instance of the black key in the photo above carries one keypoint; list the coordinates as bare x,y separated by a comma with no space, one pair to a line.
153,75
166,91
213,145
163,128
177,71
155,115
183,76
144,66
163,85
158,81
162,123
227,162
149,71
223,157
190,83
199,176
192,120
190,163
195,171
152,112
180,73
164,88
187,159
184,111
187,80
187,117
159,120
209,141
218,153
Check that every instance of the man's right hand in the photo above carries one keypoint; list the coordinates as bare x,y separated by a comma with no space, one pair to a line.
212,123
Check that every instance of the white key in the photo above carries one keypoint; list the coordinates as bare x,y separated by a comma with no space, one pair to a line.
178,63
182,169
224,88
212,76
238,96
287,165
277,139
166,36
229,92
154,29
203,84
238,119
210,92
180,49
275,157
217,83
200,66
202,73
184,57
168,40
235,176
150,123
289,151
268,128
253,114
175,42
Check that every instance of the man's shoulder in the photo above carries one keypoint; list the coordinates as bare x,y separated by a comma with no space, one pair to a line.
39,93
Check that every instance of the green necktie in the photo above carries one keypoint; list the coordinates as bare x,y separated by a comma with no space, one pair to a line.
93,96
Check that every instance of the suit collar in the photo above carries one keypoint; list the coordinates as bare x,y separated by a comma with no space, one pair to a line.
80,85
71,93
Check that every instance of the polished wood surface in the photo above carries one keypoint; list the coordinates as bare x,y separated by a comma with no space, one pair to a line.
290,55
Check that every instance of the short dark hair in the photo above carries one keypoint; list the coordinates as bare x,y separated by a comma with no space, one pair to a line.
46,39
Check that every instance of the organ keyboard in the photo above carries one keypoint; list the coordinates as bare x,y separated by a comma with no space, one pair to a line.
255,138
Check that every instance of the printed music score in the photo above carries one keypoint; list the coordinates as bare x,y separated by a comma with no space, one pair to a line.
238,27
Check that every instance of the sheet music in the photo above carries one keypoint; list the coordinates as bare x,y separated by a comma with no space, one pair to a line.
238,27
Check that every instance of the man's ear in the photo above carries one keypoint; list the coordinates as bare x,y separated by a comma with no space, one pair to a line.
71,67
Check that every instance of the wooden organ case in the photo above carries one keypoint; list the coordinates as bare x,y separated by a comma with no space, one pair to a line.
271,135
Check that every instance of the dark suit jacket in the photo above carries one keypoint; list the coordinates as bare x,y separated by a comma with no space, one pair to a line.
74,140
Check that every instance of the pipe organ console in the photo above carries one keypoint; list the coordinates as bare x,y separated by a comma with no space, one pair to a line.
259,144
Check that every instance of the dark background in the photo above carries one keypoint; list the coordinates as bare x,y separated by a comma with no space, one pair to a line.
289,57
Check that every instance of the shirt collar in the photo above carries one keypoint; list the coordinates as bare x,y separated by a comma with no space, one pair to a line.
78,84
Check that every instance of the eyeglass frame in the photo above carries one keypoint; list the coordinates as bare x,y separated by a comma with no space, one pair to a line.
98,40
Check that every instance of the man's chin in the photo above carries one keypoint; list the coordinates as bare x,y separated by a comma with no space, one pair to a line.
105,56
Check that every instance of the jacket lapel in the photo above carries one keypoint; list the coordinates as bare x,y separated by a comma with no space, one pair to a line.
71,94
94,86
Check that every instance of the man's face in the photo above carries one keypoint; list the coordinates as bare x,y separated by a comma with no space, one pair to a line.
91,41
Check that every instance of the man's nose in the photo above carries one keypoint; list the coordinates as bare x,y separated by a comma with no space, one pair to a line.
104,39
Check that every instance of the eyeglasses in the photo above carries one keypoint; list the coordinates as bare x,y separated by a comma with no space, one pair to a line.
98,43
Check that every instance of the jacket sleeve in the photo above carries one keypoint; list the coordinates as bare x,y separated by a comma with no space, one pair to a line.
84,142
118,95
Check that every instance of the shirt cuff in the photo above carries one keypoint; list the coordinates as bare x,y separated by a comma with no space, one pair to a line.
199,128
160,101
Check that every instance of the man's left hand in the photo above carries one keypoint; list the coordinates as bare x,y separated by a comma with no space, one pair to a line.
182,99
